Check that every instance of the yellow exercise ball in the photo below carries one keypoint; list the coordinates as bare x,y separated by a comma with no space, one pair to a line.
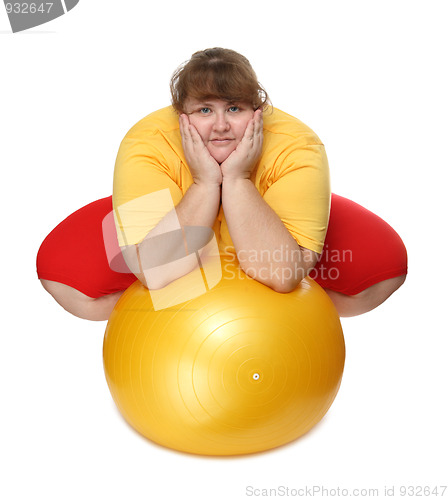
239,369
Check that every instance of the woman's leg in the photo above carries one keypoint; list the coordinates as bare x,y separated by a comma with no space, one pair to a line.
75,267
79,304
364,260
368,299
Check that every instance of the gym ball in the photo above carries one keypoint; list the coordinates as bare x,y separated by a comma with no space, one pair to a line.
239,369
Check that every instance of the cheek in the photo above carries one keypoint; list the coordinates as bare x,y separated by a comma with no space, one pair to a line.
241,125
240,130
202,128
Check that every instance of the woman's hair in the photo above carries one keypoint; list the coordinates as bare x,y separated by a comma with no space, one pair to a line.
217,74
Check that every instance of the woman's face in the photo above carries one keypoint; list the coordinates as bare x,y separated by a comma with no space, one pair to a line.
221,124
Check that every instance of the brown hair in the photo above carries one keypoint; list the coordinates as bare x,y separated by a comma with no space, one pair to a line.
220,74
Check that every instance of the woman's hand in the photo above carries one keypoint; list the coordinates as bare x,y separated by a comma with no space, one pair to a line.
203,167
242,161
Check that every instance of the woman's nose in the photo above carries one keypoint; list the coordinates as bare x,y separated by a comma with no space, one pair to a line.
221,122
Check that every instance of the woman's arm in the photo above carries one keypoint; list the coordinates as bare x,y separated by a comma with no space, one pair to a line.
163,255
265,248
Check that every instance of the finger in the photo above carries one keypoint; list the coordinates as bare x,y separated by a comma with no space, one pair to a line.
197,139
258,132
183,127
250,129
258,122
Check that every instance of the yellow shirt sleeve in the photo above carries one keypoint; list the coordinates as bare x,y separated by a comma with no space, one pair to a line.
144,190
300,195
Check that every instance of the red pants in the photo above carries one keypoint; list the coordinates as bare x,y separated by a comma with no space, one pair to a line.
360,250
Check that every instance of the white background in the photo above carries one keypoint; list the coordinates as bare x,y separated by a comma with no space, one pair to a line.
370,78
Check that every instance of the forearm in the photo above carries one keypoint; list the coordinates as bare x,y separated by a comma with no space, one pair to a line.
199,206
164,255
265,249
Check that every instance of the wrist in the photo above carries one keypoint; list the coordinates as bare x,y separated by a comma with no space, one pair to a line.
207,186
234,182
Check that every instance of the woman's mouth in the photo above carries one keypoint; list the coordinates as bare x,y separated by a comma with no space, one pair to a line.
221,141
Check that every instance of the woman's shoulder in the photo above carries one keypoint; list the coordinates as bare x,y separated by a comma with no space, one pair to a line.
163,121
279,123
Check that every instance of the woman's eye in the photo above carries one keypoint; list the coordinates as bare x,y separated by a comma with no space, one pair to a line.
205,111
234,109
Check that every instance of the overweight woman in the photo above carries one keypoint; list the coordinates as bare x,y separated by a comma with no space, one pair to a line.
221,157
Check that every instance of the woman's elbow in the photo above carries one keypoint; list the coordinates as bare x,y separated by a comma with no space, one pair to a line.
285,286
154,282
283,279
289,278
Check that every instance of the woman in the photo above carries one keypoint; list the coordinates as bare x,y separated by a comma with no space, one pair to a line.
221,158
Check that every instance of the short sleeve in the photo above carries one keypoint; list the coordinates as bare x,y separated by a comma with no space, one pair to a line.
299,193
144,188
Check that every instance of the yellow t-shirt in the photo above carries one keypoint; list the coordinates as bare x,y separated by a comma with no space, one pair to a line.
292,176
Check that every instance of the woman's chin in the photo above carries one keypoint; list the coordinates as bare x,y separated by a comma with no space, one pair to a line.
221,156
221,152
